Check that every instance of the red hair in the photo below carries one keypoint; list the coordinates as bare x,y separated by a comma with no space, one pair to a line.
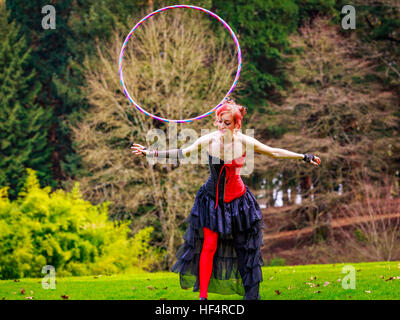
236,110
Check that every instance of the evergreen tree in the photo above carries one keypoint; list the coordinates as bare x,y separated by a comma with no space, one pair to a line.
58,73
58,56
263,28
23,124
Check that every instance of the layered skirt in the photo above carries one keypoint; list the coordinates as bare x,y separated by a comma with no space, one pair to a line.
237,260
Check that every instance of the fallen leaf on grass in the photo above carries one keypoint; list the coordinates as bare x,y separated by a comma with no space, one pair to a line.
278,292
326,283
338,280
317,291
64,296
22,291
289,288
312,285
150,287
165,288
393,278
368,291
271,278
30,297
134,288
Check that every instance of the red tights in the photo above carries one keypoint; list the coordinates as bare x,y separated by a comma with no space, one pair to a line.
206,259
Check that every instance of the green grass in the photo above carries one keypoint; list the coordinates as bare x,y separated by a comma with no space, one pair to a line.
292,282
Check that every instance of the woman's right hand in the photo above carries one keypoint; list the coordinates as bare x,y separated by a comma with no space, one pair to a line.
138,149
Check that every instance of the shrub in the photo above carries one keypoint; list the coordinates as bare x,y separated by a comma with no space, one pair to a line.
275,261
61,229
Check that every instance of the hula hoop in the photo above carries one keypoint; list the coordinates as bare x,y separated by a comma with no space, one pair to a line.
174,7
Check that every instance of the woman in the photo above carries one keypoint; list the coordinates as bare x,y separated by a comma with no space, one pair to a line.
221,252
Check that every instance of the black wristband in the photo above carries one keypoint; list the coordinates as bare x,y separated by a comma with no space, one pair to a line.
172,154
308,157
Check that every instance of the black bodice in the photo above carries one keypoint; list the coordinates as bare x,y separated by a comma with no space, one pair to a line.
215,165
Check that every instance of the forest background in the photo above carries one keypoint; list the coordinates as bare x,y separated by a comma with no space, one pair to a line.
310,86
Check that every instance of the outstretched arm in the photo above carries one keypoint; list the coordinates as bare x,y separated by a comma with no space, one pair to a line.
171,153
280,153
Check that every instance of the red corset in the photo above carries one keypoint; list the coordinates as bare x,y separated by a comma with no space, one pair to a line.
234,186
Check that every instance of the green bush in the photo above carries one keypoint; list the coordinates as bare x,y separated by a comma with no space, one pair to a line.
360,235
61,229
275,261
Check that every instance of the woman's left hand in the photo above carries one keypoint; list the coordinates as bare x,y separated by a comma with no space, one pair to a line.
314,160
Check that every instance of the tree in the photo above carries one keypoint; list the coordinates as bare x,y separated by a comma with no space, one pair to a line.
58,73
58,57
263,28
341,109
378,23
23,123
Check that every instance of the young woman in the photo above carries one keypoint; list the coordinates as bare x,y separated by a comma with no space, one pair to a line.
221,252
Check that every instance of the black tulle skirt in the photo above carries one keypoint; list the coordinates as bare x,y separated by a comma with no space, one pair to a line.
237,260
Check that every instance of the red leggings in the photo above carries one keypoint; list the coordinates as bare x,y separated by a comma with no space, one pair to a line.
206,259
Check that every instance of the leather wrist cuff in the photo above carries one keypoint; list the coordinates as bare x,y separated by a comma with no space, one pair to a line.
172,153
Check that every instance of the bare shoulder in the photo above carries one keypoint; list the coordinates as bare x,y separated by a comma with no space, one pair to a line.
245,139
206,138
209,136
199,143
259,147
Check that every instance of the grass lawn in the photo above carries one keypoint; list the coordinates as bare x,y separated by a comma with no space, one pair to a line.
373,281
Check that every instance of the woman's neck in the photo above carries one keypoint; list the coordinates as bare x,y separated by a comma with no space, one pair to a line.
227,137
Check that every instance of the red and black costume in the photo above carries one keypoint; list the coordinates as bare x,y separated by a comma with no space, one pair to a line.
221,252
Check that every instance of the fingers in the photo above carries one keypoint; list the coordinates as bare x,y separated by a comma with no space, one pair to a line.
137,149
316,161
137,152
135,145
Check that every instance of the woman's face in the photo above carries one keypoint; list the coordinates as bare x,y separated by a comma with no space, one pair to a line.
225,122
